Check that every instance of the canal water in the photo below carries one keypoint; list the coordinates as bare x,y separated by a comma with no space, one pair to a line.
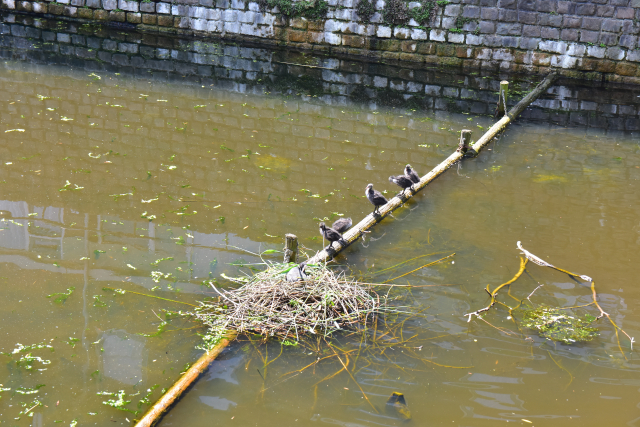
136,168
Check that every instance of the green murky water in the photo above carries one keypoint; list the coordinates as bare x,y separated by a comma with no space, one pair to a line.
137,183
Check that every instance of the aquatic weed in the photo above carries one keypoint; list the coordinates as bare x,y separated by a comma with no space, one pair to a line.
119,402
556,325
61,297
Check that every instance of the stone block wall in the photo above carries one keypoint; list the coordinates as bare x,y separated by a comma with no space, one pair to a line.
597,40
318,80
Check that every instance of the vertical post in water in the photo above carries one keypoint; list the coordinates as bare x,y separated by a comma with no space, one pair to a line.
502,99
290,248
465,139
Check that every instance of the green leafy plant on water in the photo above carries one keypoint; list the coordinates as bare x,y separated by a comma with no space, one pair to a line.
61,297
27,390
209,339
24,348
158,261
146,400
556,325
28,407
28,360
119,402
161,327
73,341
156,276
97,302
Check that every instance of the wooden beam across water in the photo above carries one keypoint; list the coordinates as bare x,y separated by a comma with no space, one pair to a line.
157,411
370,220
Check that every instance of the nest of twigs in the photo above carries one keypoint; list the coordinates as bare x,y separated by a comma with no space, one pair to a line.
270,305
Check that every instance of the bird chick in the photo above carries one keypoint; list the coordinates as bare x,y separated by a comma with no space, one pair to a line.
401,181
375,197
342,224
412,175
329,233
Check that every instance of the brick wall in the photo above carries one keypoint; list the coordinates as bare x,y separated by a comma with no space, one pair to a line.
596,40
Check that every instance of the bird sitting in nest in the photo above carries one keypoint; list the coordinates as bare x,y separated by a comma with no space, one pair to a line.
297,273
401,181
411,174
375,197
330,234
342,224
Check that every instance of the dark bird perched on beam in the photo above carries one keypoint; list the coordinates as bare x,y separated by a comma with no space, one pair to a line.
401,181
375,197
330,234
411,174
342,224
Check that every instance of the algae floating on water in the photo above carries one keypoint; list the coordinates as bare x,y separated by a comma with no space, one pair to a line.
556,325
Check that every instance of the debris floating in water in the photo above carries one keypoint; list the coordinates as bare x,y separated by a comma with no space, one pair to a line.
397,405
557,325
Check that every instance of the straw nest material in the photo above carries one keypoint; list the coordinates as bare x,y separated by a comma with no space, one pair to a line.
270,305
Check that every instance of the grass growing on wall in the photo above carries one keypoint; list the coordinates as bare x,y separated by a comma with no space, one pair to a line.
312,9
365,10
425,13
395,12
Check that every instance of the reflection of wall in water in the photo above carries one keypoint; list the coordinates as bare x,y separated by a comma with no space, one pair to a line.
332,81
229,73
198,253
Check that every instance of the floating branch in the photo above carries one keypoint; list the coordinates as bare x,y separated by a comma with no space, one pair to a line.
370,220
539,261
594,295
523,263
531,257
